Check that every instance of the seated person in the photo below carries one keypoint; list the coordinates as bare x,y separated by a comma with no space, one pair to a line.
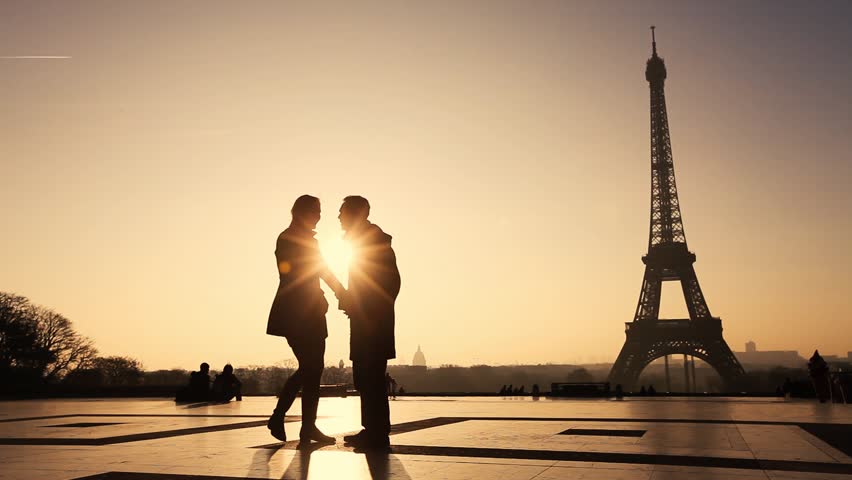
199,386
226,386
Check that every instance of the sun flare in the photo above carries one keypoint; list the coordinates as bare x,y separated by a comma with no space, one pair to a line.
337,254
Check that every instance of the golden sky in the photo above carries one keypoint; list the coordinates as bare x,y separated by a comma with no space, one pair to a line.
504,145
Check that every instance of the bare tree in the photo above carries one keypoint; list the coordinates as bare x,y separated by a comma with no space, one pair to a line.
12,306
13,335
38,343
69,349
20,353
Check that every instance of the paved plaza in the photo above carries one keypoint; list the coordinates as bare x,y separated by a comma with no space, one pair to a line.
434,438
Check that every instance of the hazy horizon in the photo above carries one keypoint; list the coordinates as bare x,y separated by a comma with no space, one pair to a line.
152,153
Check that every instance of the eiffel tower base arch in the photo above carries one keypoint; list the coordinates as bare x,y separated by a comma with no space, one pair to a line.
650,340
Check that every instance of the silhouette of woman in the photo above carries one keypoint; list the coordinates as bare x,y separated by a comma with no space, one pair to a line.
298,314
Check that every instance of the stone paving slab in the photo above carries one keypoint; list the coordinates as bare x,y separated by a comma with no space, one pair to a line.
442,438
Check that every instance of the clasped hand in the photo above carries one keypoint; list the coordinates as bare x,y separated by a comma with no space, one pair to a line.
344,301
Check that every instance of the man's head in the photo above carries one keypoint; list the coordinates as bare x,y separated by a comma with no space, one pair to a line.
353,212
228,369
204,367
306,211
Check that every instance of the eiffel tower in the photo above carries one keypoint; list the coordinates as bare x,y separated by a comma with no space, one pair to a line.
648,336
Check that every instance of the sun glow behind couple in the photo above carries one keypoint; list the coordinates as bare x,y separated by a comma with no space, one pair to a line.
336,252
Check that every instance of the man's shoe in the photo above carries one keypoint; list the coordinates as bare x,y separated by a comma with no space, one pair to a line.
373,443
366,440
355,438
315,435
276,427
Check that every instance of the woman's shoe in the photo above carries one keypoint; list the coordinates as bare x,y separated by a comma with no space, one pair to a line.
276,427
315,435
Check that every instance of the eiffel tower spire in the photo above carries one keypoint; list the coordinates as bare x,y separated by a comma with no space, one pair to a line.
666,220
668,259
654,40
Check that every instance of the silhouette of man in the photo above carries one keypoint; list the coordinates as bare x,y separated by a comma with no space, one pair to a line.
374,284
199,382
226,386
390,384
819,371
198,389
298,314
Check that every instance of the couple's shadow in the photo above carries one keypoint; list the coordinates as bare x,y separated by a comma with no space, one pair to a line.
381,465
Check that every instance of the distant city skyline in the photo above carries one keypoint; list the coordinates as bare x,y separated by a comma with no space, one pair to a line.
503,145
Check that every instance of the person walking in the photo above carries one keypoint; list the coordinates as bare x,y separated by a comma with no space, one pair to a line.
390,384
298,314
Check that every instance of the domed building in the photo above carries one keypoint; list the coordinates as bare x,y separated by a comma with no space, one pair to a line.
419,359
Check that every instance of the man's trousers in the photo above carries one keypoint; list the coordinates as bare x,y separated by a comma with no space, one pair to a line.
369,378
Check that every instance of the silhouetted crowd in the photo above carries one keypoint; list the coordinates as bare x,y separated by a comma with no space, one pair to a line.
225,387
507,390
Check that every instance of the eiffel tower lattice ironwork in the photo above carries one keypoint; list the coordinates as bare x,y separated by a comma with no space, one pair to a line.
669,259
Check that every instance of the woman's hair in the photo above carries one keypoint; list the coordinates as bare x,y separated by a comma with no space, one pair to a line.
304,204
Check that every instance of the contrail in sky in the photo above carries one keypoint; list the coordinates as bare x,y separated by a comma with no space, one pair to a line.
34,57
